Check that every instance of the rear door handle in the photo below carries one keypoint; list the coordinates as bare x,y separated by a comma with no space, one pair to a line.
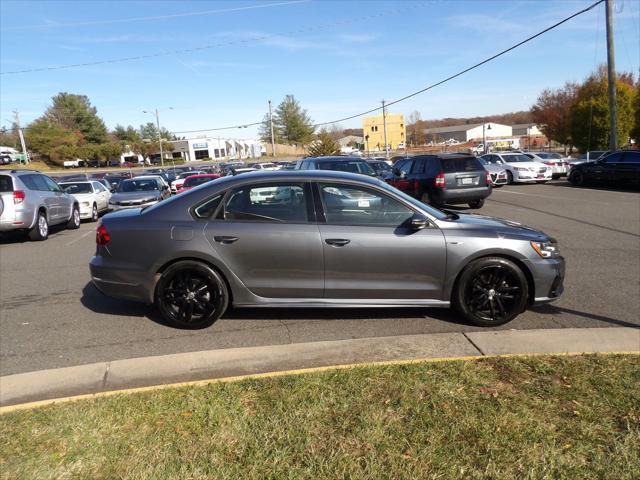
337,242
225,240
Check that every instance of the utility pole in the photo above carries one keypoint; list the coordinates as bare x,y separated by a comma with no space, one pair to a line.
21,135
611,77
273,141
384,129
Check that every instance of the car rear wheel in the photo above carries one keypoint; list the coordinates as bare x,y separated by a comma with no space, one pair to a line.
40,231
74,221
477,203
428,199
190,294
491,291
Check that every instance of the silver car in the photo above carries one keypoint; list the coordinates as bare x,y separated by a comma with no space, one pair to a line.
497,173
139,192
319,239
32,202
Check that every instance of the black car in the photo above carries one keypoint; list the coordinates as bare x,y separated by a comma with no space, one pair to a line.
382,168
443,179
620,168
339,164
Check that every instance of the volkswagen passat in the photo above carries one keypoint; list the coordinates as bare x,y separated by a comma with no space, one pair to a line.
319,239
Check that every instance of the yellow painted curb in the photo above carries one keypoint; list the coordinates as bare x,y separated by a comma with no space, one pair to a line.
282,373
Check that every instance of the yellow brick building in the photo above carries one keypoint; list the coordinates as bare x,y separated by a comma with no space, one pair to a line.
374,130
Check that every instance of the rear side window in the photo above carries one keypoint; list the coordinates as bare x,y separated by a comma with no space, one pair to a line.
267,203
6,183
208,208
419,165
34,182
456,165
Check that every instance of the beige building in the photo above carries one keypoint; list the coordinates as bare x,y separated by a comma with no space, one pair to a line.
373,131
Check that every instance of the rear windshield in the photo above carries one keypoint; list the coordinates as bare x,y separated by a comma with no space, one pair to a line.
453,165
193,181
344,166
76,187
6,183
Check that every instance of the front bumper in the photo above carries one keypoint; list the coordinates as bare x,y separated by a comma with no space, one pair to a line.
114,208
533,176
548,277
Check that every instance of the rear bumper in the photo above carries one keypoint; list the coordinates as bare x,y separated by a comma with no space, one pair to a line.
121,282
462,195
17,220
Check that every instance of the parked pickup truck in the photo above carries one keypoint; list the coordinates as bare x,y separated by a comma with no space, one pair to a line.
74,163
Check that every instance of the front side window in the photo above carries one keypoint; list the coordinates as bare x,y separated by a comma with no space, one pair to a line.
286,203
355,205
355,166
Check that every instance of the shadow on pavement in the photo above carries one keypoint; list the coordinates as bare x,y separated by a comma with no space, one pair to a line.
594,186
552,309
95,301
20,236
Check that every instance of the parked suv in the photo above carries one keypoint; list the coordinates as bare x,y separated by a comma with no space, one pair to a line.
443,178
340,164
33,202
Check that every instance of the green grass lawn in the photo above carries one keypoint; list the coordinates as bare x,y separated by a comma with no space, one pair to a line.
549,417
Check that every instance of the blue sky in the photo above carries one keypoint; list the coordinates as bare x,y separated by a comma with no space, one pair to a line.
358,54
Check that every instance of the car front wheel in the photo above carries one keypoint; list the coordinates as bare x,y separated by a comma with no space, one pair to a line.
94,213
576,179
509,177
191,295
490,291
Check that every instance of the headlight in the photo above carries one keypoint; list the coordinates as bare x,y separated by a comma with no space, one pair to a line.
546,249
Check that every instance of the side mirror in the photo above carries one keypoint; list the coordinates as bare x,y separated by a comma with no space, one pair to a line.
418,222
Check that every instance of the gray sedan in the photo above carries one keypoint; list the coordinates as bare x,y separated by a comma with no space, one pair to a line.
319,239
139,192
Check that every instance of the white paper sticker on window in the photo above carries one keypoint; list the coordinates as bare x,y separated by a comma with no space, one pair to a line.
363,203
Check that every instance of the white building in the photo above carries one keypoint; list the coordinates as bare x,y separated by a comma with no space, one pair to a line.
216,148
526,129
467,133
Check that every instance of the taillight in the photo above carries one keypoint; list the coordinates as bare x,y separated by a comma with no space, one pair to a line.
18,196
439,181
102,236
550,164
416,185
489,181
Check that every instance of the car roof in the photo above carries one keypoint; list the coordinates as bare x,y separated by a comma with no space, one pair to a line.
336,159
77,181
303,175
204,175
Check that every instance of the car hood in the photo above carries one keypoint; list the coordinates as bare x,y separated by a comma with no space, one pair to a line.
494,168
83,196
129,196
501,226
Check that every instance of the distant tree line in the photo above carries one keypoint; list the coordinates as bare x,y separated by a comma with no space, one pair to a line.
71,128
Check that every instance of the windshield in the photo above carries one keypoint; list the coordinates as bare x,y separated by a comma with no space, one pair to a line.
134,185
345,166
193,181
549,156
381,166
514,158
73,188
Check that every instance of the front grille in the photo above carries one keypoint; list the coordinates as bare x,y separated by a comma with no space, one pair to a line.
542,169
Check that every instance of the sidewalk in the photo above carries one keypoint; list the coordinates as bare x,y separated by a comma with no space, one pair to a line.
218,364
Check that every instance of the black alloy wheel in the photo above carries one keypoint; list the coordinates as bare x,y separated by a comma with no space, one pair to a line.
576,178
491,291
190,294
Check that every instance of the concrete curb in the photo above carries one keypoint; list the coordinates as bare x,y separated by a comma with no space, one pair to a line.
234,362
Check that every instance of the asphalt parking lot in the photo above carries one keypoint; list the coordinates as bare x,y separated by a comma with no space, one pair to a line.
51,316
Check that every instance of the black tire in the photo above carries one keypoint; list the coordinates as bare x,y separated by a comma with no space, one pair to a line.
477,203
491,291
74,220
509,177
576,178
428,199
190,294
94,213
40,230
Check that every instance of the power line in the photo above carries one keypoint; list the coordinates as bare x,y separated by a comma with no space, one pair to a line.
157,17
217,45
418,92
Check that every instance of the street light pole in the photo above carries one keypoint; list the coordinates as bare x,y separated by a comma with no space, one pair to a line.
273,142
159,138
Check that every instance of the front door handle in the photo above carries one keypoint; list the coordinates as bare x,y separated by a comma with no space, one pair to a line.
337,242
225,240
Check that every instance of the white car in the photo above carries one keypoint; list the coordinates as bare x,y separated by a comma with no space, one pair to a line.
520,168
92,196
265,166
559,164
